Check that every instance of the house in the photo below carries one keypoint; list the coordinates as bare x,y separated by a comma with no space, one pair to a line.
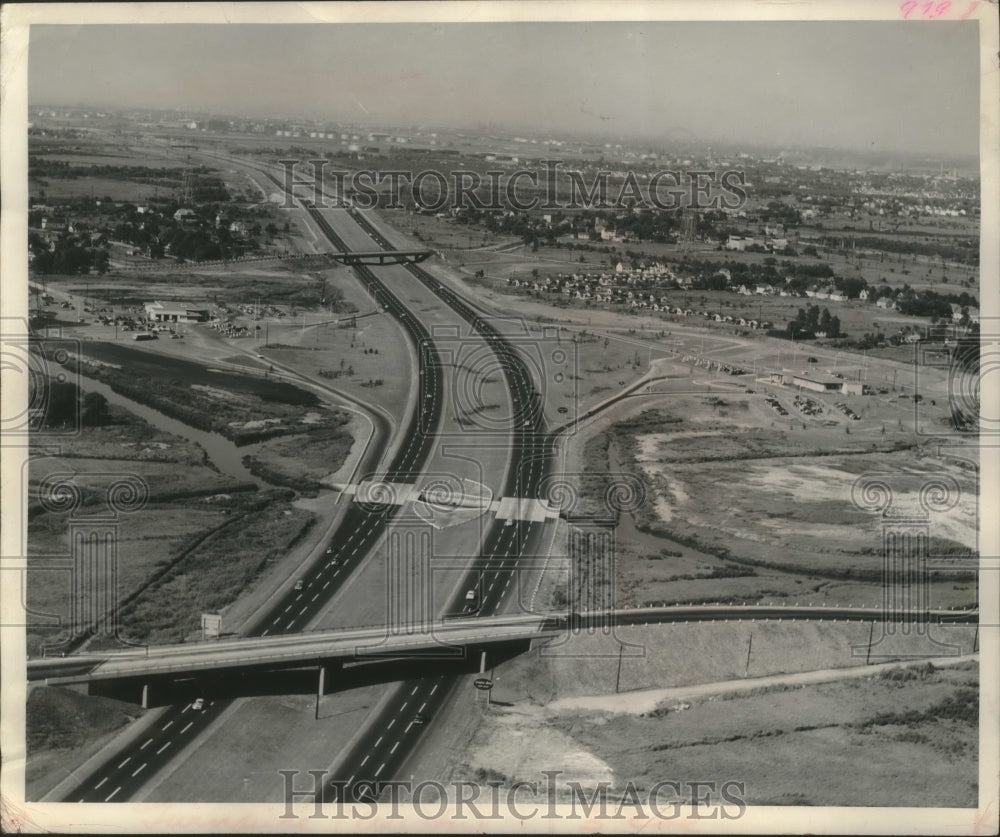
863,296
886,303
185,216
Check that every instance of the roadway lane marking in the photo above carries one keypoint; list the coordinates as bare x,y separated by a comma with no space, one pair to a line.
380,769
389,725
394,746
434,689
363,761
276,618
326,585
109,798
317,595
98,785
190,724
287,609
169,724
164,747
148,742
379,741
401,708
304,609
291,622
120,766
336,573
414,690
421,709
265,632
139,769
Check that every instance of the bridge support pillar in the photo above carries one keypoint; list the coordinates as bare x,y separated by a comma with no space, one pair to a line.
319,688
145,696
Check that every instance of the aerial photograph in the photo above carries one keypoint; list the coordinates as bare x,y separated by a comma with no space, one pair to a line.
430,423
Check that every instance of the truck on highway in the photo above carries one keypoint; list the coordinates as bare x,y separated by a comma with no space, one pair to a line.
471,601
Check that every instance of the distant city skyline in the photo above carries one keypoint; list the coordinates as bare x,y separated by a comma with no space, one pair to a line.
862,86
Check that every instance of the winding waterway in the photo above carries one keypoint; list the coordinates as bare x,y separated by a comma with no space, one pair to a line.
223,453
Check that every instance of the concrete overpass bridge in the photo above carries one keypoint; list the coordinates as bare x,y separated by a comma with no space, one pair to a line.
452,638
381,257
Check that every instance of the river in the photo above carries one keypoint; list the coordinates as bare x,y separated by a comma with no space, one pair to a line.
225,455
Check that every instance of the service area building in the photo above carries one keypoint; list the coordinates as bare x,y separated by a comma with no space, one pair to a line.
169,312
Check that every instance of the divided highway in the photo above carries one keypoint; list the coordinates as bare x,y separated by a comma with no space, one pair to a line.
380,752
121,776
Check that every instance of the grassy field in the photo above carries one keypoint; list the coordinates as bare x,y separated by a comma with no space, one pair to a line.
897,736
262,528
878,741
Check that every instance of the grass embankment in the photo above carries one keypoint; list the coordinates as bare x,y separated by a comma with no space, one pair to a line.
300,462
59,722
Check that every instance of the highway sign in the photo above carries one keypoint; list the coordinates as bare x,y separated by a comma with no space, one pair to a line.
483,683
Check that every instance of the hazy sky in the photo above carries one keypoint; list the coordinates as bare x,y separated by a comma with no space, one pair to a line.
887,86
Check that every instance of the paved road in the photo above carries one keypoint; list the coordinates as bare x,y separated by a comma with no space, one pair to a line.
119,777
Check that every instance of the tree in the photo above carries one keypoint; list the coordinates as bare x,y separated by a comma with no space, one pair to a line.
95,410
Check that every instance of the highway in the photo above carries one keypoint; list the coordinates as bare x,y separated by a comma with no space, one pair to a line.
119,777
388,740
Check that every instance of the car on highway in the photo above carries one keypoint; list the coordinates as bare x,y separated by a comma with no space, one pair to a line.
420,718
199,705
299,584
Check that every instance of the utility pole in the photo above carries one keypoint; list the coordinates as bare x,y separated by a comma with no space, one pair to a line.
746,670
871,633
618,678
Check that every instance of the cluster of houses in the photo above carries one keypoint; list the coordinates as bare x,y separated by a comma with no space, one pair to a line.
626,287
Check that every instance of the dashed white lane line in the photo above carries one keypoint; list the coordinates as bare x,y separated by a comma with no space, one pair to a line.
380,769
390,724
379,741
434,689
120,766
139,769
112,796
148,742
414,690
316,596
326,585
168,726
404,705
190,724
304,609
421,709
98,785
363,761
276,618
291,622
393,750
287,609
164,747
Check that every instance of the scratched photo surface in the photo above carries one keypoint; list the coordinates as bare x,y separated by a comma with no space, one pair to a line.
420,420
